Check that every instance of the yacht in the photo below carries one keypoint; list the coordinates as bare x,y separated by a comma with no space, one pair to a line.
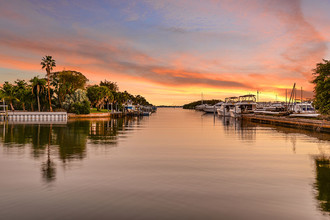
276,108
246,104
224,110
212,108
304,109
200,107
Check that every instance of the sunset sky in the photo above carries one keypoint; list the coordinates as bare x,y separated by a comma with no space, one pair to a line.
170,51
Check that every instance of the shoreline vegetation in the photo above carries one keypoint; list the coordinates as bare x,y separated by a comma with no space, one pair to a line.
66,90
192,105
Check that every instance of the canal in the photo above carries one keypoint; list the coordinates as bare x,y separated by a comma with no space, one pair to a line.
175,164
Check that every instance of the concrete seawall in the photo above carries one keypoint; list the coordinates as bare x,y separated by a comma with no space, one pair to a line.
302,123
34,116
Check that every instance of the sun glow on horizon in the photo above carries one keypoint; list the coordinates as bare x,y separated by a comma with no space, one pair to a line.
170,55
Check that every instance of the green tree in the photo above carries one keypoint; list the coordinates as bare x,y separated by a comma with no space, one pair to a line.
66,82
38,85
99,95
77,102
322,86
48,63
8,93
140,100
111,85
22,92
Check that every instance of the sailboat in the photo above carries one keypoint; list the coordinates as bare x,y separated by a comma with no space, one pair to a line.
201,106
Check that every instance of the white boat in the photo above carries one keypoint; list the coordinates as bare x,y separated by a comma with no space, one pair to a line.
305,115
200,107
275,107
246,104
304,109
224,110
264,112
212,108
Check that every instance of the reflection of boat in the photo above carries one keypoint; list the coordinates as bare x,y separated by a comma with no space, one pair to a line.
212,108
224,110
246,104
146,113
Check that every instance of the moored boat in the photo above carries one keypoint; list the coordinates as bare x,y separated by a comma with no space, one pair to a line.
212,108
246,104
225,108
304,109
200,107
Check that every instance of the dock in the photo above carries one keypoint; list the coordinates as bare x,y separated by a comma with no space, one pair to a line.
301,123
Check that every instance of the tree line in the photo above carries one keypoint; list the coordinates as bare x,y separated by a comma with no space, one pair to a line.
192,105
64,90
322,87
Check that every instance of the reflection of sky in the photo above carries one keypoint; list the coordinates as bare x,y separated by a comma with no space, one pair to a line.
170,48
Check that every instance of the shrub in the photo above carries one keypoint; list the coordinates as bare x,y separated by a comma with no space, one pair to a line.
81,107
77,102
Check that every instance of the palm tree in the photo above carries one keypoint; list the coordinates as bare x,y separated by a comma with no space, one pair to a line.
8,93
48,63
38,85
21,92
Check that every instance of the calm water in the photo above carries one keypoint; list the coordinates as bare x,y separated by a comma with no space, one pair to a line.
176,164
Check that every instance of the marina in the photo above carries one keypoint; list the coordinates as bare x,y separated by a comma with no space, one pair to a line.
165,110
166,164
301,115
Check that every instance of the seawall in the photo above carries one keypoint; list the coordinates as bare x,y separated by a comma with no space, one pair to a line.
302,123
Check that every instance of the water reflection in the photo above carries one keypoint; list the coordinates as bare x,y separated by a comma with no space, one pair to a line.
63,142
247,131
322,184
288,131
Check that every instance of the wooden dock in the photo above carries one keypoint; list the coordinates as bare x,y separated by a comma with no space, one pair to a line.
301,123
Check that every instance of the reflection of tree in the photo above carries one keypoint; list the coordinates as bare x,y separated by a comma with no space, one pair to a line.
48,168
68,140
71,140
106,132
322,184
39,138
37,135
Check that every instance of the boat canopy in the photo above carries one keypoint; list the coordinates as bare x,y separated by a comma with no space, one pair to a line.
231,99
247,98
